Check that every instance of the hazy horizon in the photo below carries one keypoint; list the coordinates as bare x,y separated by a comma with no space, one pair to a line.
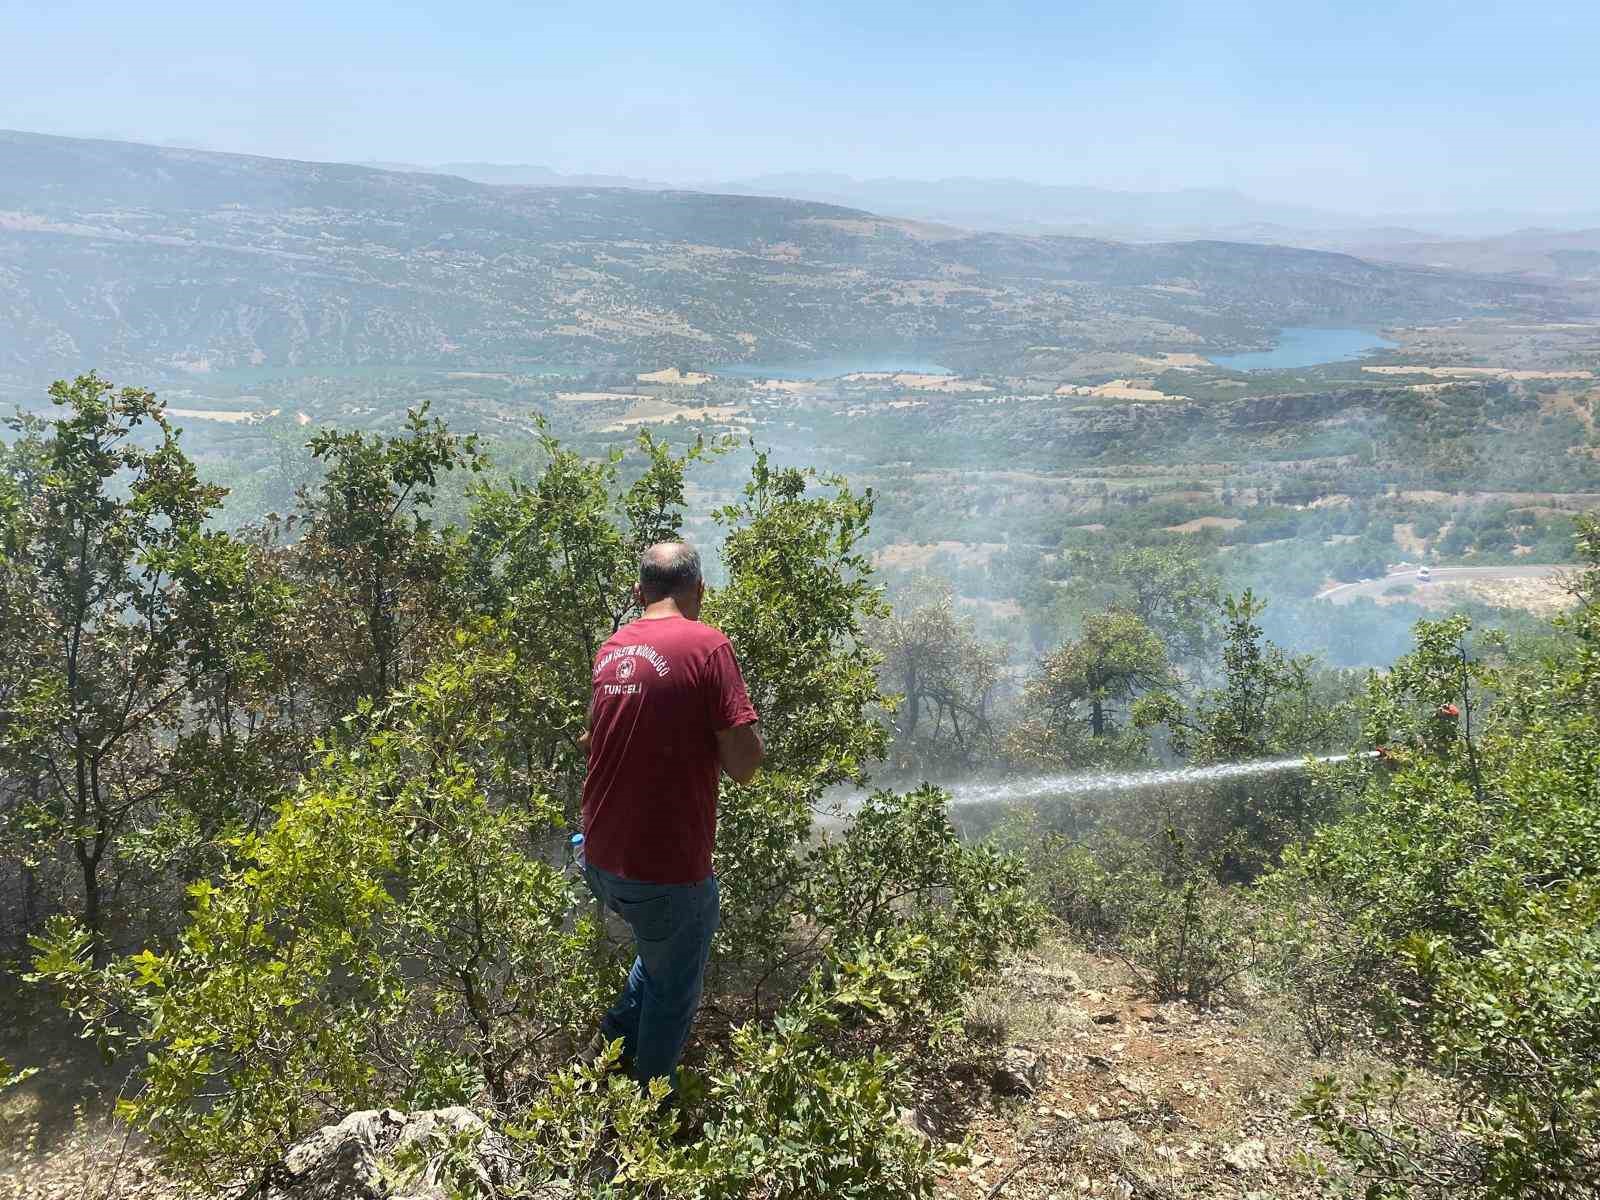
1359,109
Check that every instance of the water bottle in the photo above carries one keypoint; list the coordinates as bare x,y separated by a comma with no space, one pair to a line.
575,854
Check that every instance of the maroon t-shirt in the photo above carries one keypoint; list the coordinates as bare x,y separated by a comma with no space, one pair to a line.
663,688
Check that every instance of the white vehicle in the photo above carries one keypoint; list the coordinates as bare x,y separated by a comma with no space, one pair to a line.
1424,574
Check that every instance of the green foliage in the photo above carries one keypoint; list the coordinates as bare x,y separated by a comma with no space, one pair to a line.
1073,699
796,602
792,1108
594,1125
788,1116
1169,588
946,677
901,869
388,928
1184,935
391,938
1467,880
1267,705
10,1078
116,598
388,577
554,560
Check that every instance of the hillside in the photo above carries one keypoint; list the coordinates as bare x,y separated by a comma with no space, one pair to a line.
138,258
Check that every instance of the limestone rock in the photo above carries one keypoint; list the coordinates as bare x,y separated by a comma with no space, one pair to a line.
1249,1155
384,1154
1116,1140
918,1122
1021,1072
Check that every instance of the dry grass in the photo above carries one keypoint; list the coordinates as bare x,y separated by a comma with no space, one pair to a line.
57,1139
1545,597
913,555
1119,389
1200,523
674,376
657,412
1140,1099
594,397
919,382
227,415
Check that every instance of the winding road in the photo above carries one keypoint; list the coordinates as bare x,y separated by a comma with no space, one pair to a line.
1347,592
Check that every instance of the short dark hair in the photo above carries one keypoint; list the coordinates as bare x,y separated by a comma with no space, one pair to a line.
667,569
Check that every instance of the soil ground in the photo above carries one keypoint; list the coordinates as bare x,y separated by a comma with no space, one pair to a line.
1138,1099
1133,1099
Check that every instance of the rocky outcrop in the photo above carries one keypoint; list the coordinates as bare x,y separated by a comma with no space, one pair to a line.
383,1154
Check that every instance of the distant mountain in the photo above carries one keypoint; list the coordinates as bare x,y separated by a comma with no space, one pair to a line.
522,175
1019,205
137,258
1536,253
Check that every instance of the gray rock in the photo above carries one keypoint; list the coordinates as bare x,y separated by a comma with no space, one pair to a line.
1021,1072
384,1154
918,1122
1249,1155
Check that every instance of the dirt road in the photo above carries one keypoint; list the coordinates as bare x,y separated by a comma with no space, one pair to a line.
1347,592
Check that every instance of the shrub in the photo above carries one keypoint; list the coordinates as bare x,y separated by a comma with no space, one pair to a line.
1184,935
900,868
788,1115
391,939
781,1111
1468,883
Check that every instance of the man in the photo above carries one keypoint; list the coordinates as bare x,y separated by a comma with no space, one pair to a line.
669,712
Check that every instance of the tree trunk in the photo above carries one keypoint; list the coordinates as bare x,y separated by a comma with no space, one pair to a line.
1097,717
93,917
910,712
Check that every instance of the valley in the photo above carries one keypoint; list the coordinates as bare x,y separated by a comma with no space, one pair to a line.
996,510
1466,443
175,264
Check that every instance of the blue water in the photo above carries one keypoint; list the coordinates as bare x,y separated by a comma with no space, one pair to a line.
1305,346
831,368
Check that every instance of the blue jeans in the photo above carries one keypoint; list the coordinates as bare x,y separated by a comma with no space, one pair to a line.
672,924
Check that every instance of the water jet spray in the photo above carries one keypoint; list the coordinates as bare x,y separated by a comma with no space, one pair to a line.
1083,783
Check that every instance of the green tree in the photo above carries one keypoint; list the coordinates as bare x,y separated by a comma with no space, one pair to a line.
1171,589
397,934
946,677
393,938
796,605
1077,697
555,561
1466,877
380,579
111,579
1267,703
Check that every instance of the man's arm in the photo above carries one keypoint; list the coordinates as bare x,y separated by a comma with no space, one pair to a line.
740,751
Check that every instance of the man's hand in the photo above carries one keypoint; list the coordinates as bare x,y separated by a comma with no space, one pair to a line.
740,751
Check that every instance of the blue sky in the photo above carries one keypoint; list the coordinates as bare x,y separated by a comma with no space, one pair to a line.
1366,107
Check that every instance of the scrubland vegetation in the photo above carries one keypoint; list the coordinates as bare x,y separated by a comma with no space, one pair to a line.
284,809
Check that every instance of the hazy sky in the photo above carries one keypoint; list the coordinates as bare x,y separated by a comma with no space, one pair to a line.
1360,105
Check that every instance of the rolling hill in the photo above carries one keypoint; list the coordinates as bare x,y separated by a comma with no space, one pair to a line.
136,258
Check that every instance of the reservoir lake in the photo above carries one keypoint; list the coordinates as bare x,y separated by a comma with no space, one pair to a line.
1305,346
